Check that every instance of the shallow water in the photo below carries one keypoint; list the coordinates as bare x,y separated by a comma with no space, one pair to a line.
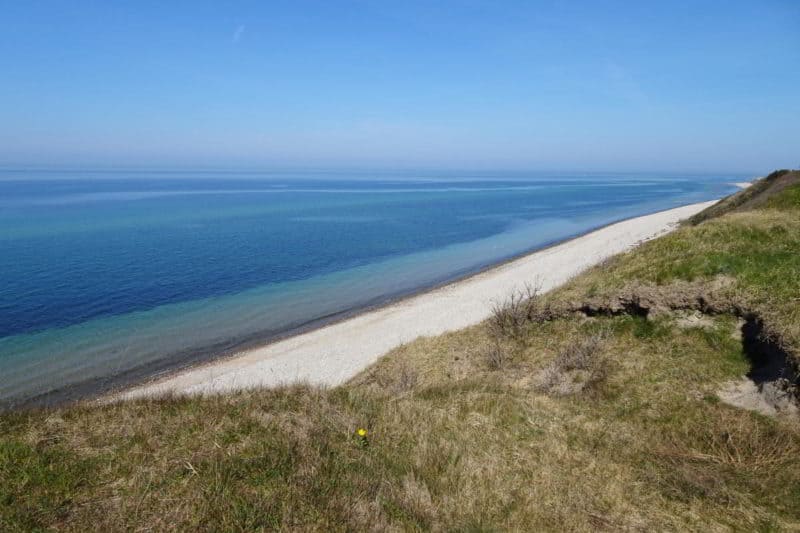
104,275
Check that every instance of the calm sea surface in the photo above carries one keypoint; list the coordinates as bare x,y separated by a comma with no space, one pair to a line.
106,276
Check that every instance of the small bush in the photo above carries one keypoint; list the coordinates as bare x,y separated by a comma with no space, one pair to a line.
496,356
510,317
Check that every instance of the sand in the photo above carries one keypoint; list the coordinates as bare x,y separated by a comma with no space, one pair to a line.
334,353
769,398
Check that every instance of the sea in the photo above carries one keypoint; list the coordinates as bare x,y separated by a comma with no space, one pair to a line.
108,277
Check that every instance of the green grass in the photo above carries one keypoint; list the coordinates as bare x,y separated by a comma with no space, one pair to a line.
757,252
628,433
753,196
788,200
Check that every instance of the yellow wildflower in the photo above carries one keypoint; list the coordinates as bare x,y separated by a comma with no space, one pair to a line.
362,432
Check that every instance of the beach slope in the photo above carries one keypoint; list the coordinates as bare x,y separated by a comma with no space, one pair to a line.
334,353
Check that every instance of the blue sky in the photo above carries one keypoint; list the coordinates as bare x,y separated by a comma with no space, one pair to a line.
604,85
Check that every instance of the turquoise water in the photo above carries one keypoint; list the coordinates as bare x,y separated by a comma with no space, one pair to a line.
111,276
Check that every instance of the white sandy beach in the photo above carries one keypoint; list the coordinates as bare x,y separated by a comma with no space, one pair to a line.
334,353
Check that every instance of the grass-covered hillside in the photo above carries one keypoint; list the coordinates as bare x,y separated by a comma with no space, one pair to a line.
760,193
596,407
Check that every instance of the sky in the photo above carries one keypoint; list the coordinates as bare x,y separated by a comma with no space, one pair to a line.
573,85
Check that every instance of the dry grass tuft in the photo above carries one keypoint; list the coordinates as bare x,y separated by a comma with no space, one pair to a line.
496,356
407,379
735,441
727,457
580,366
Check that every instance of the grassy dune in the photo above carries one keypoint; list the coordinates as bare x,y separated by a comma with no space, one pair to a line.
541,418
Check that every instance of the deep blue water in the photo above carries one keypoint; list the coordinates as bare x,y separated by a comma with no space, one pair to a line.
102,272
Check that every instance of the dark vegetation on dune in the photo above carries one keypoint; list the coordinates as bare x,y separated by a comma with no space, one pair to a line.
595,407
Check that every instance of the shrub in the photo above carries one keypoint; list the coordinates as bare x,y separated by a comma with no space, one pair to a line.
510,317
496,356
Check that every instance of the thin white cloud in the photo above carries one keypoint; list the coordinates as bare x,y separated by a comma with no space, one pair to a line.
237,33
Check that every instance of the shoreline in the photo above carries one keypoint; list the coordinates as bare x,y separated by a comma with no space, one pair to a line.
330,350
118,385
